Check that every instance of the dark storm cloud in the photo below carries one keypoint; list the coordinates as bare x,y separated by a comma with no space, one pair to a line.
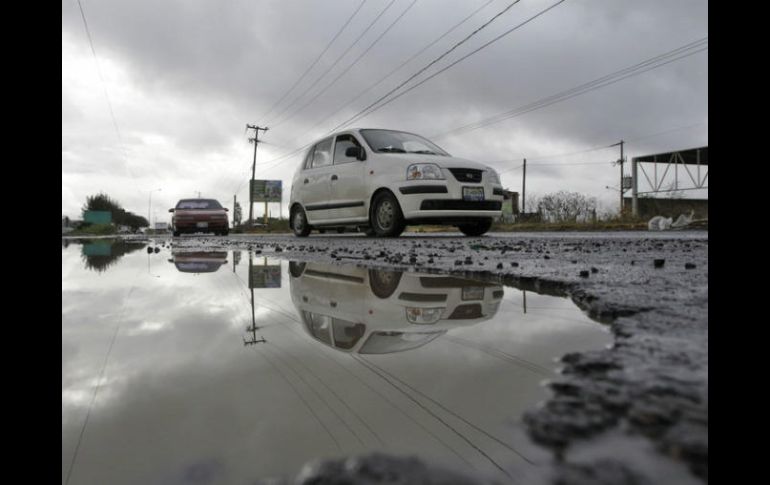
225,63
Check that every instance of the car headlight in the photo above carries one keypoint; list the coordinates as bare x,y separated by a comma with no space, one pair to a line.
493,176
424,171
423,316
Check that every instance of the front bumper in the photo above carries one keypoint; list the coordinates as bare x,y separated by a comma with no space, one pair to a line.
443,199
192,226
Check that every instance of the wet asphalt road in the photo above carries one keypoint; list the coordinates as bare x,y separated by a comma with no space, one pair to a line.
636,411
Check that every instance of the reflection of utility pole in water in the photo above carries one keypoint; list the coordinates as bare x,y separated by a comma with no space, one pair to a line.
253,329
236,259
524,299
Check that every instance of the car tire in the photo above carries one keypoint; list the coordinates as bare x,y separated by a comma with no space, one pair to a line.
296,269
176,233
370,232
386,218
299,223
224,233
476,228
384,282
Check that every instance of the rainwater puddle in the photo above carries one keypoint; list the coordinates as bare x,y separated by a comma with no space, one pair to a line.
223,367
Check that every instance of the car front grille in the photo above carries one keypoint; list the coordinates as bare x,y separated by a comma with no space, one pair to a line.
460,205
467,174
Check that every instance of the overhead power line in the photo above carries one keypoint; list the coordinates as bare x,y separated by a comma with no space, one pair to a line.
587,150
373,106
655,62
455,46
312,65
318,79
410,59
350,66
107,96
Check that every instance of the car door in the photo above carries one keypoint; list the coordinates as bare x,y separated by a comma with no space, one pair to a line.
315,182
348,191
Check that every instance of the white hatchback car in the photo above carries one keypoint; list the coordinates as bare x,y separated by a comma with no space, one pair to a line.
380,180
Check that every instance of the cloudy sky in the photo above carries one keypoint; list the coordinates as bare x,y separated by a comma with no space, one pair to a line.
164,101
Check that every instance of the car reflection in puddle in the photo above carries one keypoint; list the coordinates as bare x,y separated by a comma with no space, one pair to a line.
198,262
254,370
381,311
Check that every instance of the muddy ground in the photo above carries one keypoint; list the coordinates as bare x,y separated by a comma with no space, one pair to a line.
636,412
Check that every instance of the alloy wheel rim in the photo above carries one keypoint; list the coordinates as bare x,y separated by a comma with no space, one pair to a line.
385,215
298,221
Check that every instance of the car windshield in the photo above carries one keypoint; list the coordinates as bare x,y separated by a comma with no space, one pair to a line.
384,342
199,204
387,141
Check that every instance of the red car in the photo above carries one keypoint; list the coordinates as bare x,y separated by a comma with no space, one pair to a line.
199,215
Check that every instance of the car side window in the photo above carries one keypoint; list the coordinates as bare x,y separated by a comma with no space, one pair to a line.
308,158
343,143
322,155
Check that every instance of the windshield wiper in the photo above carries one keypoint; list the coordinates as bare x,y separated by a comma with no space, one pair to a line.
425,152
391,150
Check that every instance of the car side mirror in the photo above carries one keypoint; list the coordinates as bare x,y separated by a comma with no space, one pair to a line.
356,152
227,210
171,210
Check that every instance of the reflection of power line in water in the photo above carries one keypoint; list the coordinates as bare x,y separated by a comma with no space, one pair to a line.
328,388
309,408
323,400
480,430
366,363
99,381
434,415
294,388
493,352
383,396
292,331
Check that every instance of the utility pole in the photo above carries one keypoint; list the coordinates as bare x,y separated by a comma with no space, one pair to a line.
255,140
620,162
234,206
524,188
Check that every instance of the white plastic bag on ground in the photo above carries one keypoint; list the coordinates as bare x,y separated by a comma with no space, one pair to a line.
684,220
659,223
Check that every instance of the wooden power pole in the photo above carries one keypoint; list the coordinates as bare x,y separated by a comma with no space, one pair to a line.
255,140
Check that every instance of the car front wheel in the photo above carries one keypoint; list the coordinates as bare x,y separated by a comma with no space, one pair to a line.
299,223
475,229
386,218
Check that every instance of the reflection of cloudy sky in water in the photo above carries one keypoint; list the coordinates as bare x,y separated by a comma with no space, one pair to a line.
183,397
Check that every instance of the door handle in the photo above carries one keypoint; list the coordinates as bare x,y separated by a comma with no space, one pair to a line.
334,177
306,181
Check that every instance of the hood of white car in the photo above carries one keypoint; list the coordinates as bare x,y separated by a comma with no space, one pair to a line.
441,161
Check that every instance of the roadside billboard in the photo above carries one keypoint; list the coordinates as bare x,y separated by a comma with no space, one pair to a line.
266,190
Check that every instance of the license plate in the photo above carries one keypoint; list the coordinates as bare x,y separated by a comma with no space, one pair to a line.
202,224
473,193
473,293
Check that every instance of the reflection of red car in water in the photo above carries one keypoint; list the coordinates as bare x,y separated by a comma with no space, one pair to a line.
199,215
200,262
